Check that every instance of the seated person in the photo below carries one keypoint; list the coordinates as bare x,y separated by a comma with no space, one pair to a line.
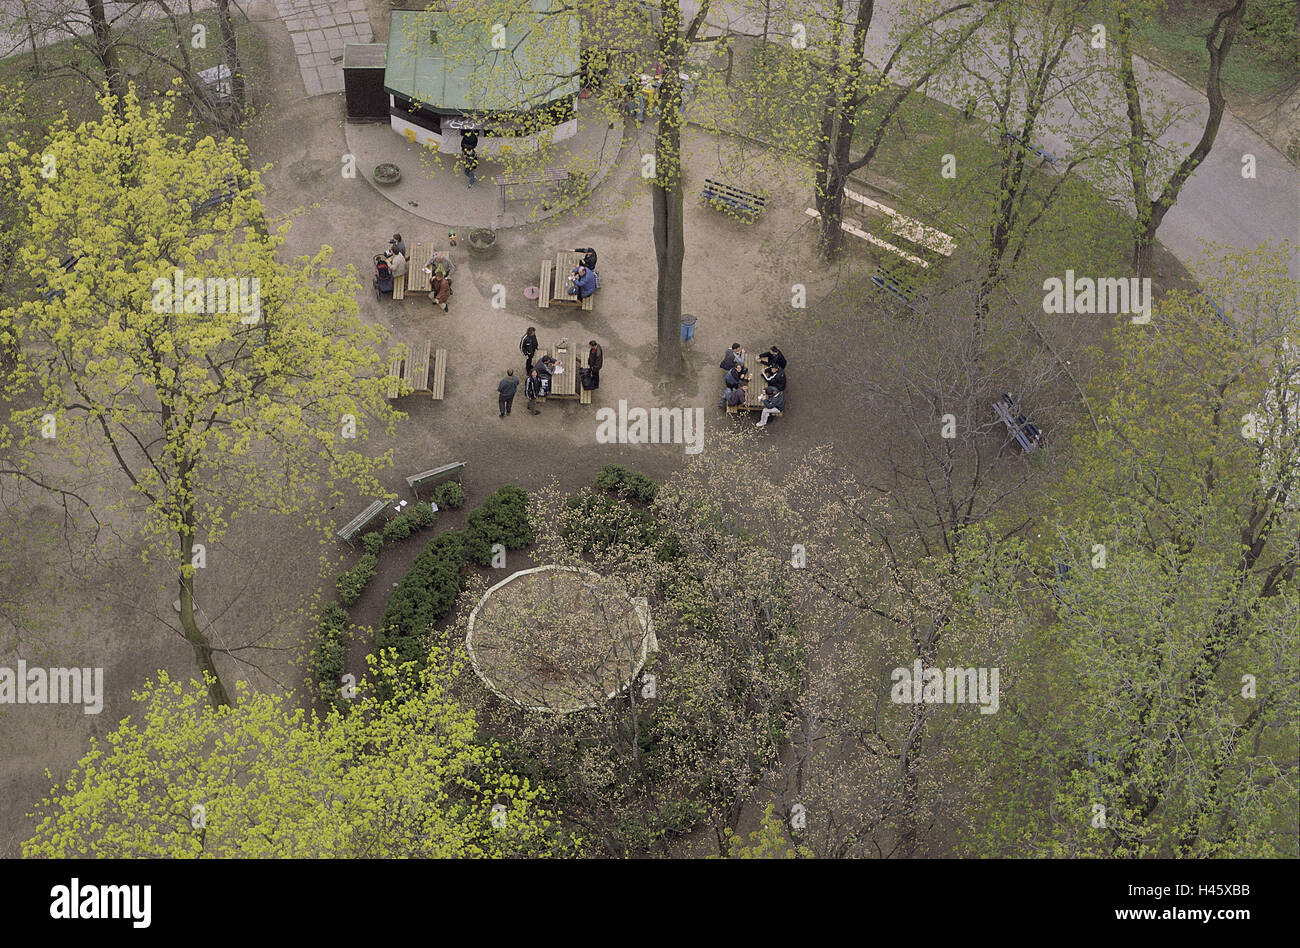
439,290
583,282
736,375
773,404
589,261
773,356
734,397
774,377
396,263
397,244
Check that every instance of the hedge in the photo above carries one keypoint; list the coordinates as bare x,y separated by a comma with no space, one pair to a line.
449,495
617,479
331,646
351,582
502,518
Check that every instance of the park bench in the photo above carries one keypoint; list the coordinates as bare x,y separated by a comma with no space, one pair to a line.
361,520
875,241
413,370
1038,150
68,263
439,374
892,281
930,238
546,176
726,196
225,193
435,476
1026,433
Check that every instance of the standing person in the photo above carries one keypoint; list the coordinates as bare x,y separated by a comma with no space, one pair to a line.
533,390
773,404
528,346
468,153
506,389
595,359
733,357
397,245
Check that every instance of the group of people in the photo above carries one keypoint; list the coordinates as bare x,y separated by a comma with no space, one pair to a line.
739,376
538,374
439,268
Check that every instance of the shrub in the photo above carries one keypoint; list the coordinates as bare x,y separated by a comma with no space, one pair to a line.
331,646
503,518
373,542
425,595
352,582
449,495
619,480
604,521
399,528
423,515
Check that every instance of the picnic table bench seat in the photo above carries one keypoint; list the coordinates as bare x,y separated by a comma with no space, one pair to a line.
413,370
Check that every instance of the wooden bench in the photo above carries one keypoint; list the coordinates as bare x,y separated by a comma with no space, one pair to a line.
548,176
439,474
413,371
439,374
399,285
544,286
361,520
875,241
1026,433
726,196
930,238
890,281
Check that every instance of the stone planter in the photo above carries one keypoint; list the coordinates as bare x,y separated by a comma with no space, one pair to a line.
387,174
482,241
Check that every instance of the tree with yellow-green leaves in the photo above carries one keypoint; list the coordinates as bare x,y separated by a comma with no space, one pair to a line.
1163,713
402,777
175,352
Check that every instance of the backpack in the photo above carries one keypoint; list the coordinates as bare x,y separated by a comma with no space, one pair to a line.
728,360
595,273
523,343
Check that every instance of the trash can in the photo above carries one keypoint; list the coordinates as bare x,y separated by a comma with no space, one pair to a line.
688,327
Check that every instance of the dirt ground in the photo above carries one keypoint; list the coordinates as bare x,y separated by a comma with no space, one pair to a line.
260,584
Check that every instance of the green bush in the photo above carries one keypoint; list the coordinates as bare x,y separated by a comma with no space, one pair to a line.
617,479
352,582
604,521
423,515
399,528
503,518
331,647
449,495
373,542
424,596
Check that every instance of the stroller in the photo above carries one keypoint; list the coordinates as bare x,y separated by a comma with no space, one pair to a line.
383,281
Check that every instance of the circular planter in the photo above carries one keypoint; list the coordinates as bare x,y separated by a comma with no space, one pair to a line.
482,241
387,174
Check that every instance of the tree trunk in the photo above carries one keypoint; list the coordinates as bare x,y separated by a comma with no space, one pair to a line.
190,627
666,195
106,52
230,53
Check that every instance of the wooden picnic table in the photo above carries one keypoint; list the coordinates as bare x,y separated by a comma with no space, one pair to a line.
565,384
557,275
416,279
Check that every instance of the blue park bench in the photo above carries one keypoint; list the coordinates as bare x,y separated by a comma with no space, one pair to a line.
227,192
1038,150
67,263
726,196
890,281
1027,434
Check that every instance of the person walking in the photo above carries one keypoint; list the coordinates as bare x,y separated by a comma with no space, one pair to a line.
506,389
533,391
469,154
528,346
595,359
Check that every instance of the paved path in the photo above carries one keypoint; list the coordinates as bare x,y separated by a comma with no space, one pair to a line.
319,29
1216,204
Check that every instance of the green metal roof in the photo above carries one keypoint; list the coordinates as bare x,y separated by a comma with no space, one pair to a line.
462,72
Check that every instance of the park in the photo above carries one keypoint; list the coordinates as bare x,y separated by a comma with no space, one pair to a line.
562,425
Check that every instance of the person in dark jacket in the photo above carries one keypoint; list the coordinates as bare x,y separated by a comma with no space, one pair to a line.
736,375
773,404
468,144
773,356
533,390
397,245
733,355
595,359
589,261
583,282
528,346
506,389
774,376
734,397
